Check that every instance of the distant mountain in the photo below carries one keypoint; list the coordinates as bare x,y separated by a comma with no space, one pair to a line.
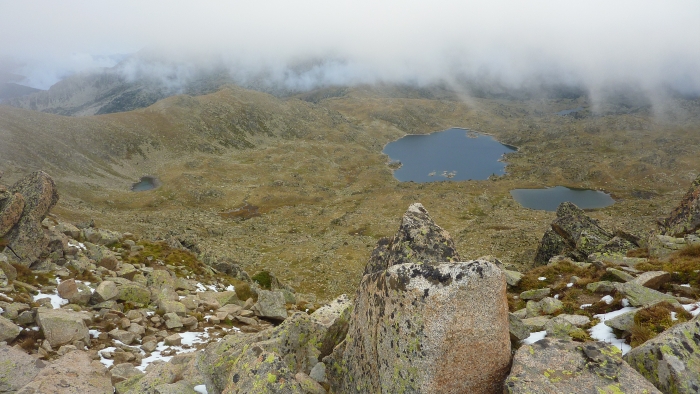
9,90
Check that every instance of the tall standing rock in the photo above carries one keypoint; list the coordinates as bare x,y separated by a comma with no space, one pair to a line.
428,329
418,240
27,237
576,235
685,218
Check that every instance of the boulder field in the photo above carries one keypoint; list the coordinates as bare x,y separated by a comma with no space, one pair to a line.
85,309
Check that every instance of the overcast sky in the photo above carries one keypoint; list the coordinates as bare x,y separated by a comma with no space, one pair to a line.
593,42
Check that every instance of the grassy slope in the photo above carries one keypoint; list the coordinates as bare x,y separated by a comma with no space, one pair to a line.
316,172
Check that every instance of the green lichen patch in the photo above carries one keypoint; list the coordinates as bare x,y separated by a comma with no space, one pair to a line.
264,279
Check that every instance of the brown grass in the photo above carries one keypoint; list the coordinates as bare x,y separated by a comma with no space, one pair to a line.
652,321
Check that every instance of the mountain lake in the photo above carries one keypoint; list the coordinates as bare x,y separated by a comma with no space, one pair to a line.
146,183
549,199
456,154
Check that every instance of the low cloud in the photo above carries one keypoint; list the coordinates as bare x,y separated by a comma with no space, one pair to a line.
308,44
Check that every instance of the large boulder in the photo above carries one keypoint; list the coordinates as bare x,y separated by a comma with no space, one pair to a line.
671,359
575,235
553,366
270,305
73,373
427,328
27,237
685,218
17,368
8,330
10,212
418,240
62,327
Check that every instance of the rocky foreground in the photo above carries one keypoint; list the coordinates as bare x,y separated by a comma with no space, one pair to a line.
89,310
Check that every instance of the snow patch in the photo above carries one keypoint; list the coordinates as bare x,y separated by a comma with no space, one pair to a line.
603,333
534,337
201,389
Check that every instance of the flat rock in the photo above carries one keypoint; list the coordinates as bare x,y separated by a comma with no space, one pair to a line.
653,279
62,327
17,368
670,360
105,291
427,328
553,366
134,293
73,373
537,323
604,286
559,327
639,295
623,322
576,320
513,278
535,294
619,274
123,371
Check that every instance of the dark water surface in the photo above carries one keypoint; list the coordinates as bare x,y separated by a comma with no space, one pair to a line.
146,183
456,154
550,198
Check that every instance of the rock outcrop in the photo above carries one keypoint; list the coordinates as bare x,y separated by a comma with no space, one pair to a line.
685,218
575,235
553,366
36,194
671,360
424,324
17,368
418,240
270,360
73,373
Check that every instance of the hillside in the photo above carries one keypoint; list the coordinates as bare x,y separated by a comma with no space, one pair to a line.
312,166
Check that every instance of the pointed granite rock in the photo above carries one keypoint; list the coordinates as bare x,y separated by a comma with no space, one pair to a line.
418,240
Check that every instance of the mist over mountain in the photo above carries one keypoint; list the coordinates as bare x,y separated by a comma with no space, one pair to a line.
151,50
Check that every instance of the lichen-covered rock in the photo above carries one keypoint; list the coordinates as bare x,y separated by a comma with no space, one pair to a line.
134,293
270,305
73,373
379,256
27,237
101,237
10,212
296,345
62,327
427,328
535,294
573,234
418,240
553,366
685,218
671,360
156,375
334,317
17,368
518,330
604,286
619,274
561,328
551,245
639,295
513,278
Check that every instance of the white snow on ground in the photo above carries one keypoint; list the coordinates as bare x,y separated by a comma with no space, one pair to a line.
56,300
201,389
534,337
694,309
608,299
230,288
584,306
569,284
686,285
188,339
542,278
625,302
94,333
603,333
